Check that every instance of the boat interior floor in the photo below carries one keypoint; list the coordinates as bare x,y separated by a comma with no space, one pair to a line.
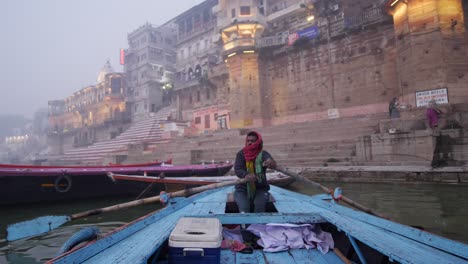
291,256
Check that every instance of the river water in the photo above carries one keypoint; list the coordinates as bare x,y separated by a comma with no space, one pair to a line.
440,209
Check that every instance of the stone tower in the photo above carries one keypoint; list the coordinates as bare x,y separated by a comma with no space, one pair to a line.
241,22
432,47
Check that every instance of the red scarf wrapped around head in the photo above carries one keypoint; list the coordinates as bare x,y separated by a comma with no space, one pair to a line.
251,152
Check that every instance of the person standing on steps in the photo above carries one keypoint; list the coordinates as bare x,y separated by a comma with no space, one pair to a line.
393,111
432,114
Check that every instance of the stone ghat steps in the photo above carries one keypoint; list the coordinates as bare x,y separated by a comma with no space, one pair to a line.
393,163
142,131
296,154
298,144
314,136
312,131
345,121
320,162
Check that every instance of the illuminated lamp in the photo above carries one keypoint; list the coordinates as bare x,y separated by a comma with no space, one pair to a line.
167,86
232,54
248,51
311,17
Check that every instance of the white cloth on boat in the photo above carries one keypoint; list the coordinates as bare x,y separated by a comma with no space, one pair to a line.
281,237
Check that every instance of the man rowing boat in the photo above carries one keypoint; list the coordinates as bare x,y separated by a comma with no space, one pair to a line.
251,163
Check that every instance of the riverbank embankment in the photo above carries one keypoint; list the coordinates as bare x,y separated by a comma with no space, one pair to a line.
386,174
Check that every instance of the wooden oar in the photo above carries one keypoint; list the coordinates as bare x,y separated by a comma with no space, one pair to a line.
329,191
46,224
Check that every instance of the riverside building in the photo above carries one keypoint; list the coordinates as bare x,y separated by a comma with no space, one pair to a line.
243,64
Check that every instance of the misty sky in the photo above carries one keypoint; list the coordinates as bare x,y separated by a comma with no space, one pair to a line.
52,48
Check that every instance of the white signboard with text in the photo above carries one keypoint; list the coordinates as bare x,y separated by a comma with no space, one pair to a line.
333,113
439,95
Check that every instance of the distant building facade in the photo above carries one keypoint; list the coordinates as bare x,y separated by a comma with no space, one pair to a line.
149,64
93,114
252,63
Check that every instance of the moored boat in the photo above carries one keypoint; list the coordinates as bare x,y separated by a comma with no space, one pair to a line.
113,165
275,178
357,236
31,185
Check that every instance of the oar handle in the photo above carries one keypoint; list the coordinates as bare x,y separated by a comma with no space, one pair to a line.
186,192
329,191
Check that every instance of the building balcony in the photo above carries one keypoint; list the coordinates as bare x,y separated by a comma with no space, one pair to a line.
183,84
238,43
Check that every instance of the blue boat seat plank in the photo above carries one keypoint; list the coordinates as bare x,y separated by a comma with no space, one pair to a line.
314,256
256,257
299,256
227,256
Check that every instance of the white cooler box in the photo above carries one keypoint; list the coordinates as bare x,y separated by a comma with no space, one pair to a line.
196,240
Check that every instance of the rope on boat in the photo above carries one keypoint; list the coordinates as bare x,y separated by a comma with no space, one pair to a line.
151,185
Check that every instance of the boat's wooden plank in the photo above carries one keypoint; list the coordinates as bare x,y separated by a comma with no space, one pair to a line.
279,258
387,242
288,203
214,204
255,258
139,247
450,246
266,218
126,232
228,256
314,256
393,245
198,208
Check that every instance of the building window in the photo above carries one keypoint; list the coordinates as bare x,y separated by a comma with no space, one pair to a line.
206,15
245,10
233,13
198,96
197,120
208,94
190,99
207,121
197,21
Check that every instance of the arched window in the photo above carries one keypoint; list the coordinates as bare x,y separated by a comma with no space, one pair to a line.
198,71
190,74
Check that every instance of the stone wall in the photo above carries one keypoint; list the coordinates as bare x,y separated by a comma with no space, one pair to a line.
356,74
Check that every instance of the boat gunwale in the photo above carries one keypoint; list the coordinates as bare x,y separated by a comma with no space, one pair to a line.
374,236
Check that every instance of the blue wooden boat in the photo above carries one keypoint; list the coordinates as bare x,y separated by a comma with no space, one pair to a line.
358,237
